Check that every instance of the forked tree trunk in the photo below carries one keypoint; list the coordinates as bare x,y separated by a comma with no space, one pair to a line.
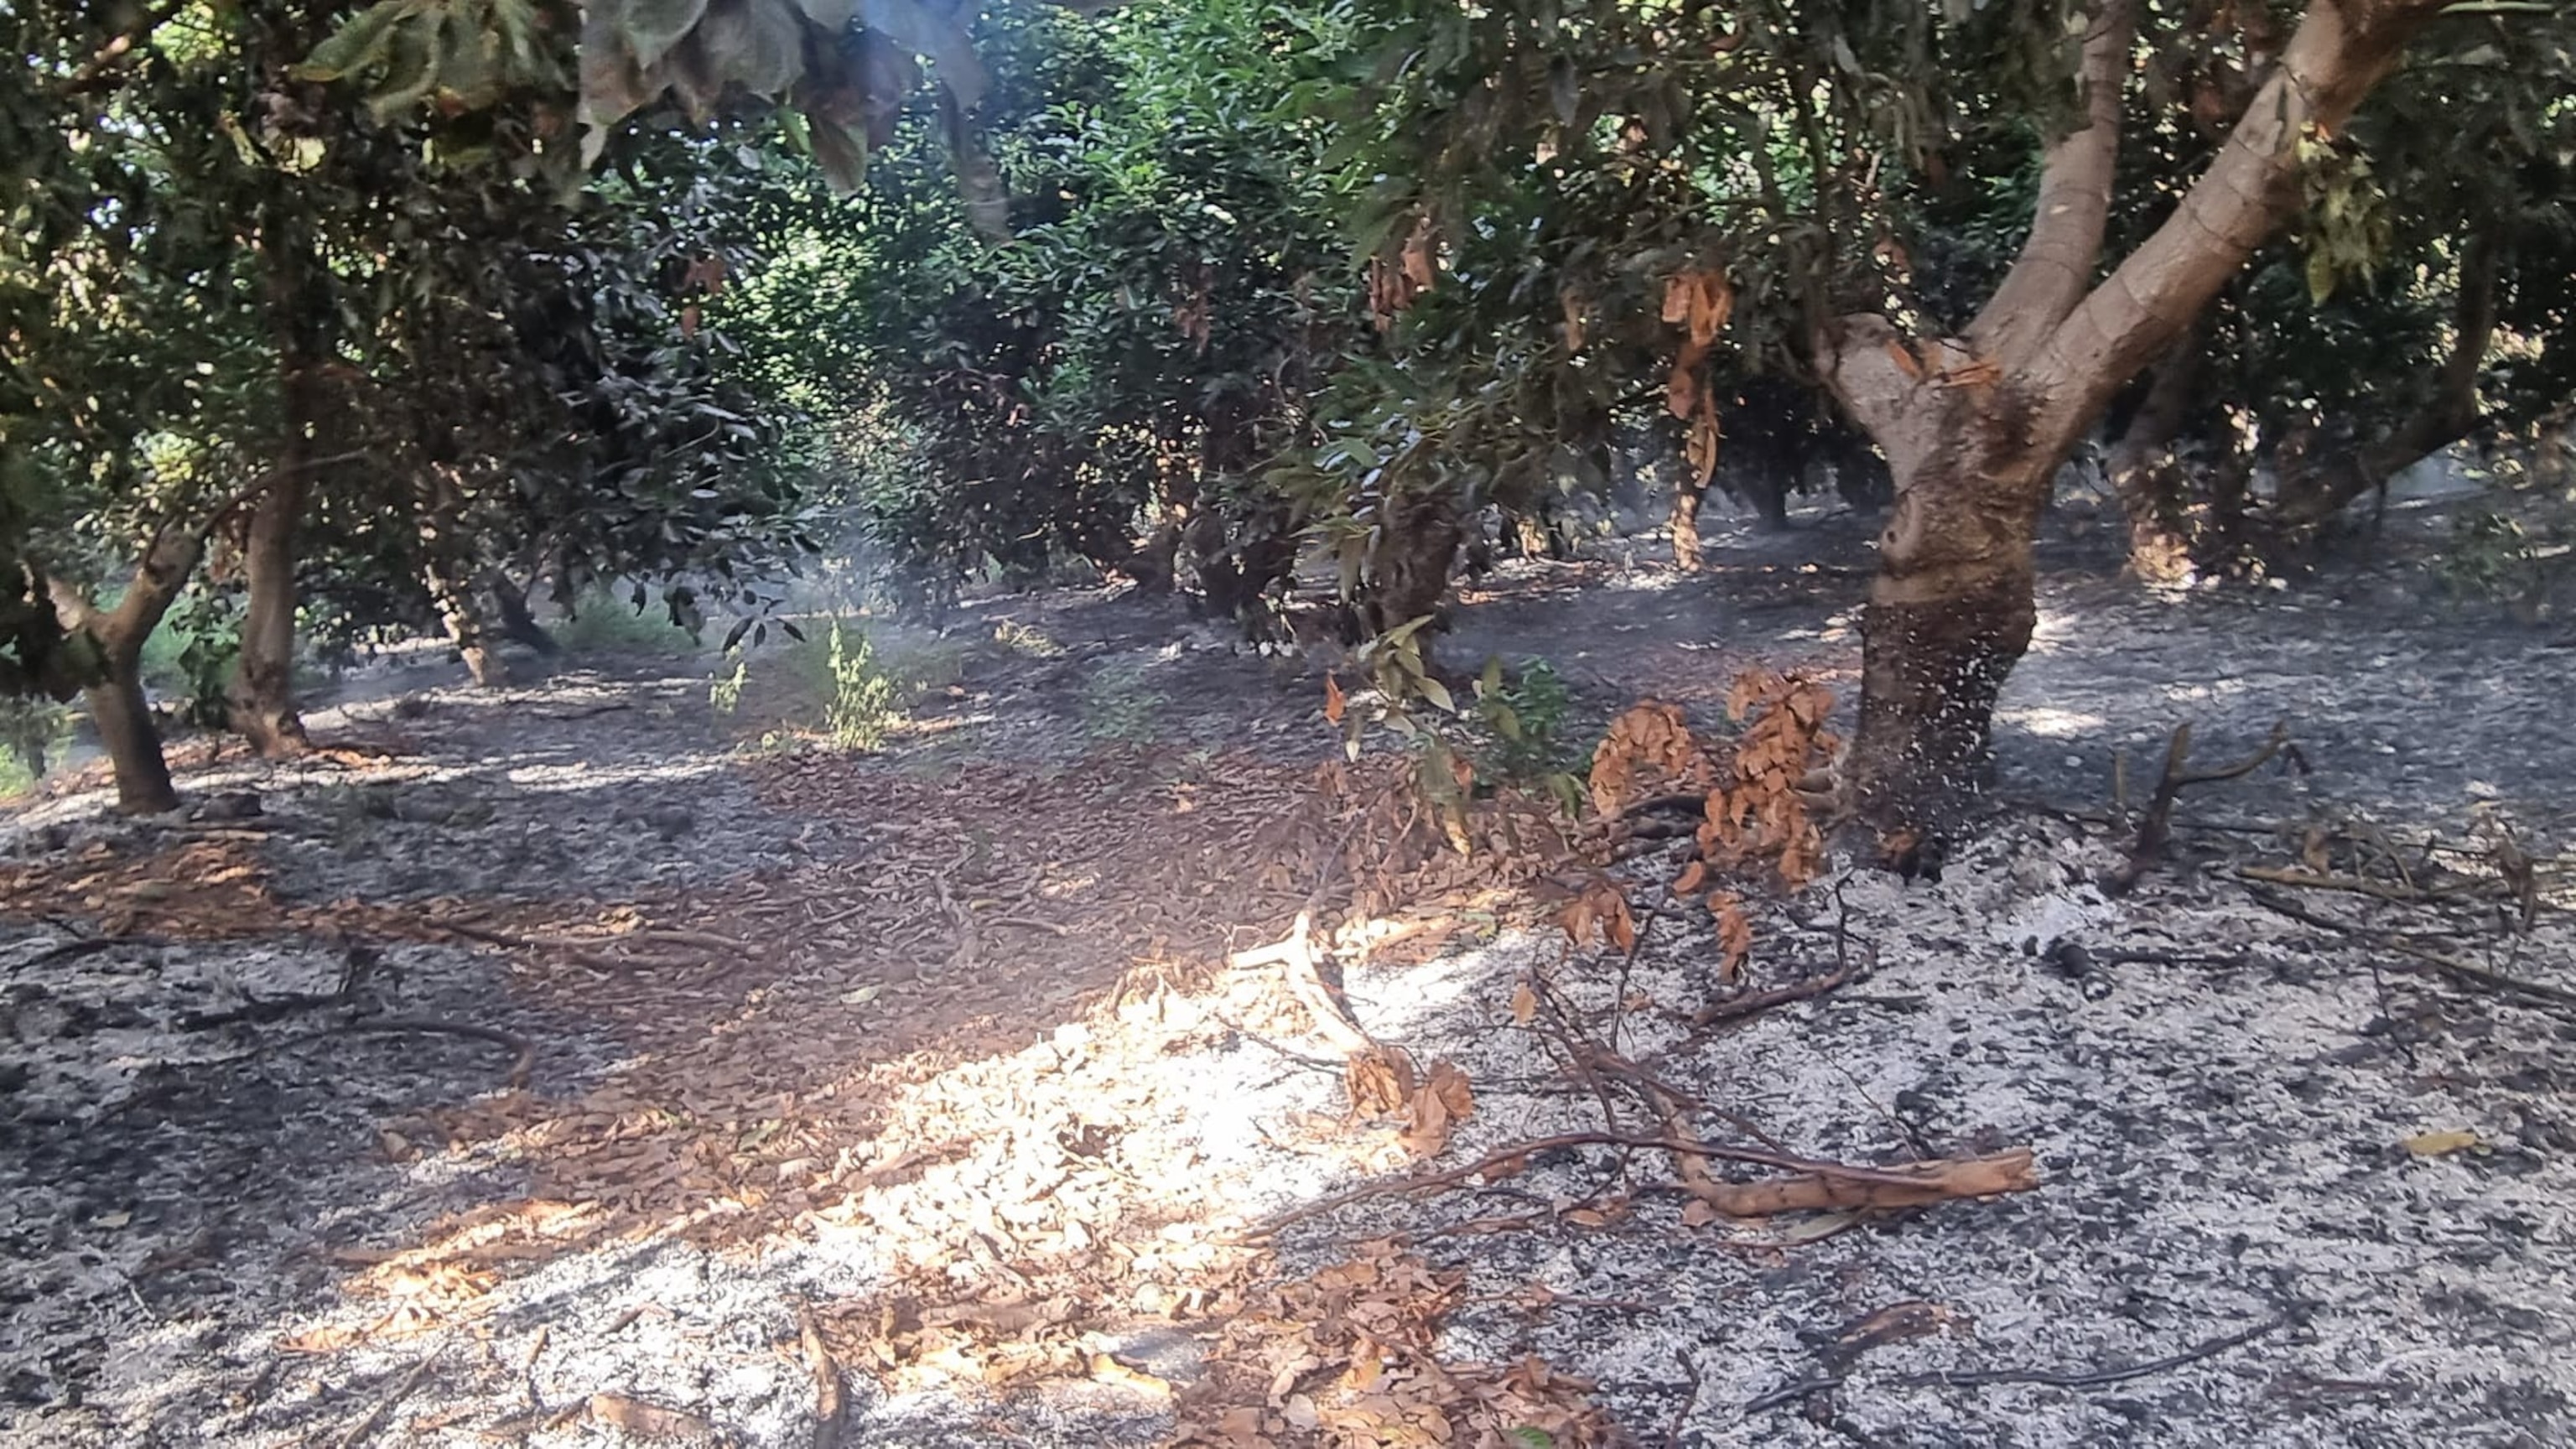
1974,426
113,689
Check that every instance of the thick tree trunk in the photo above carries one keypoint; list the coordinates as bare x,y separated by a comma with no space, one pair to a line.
1949,615
263,693
2141,467
123,718
1407,572
1974,426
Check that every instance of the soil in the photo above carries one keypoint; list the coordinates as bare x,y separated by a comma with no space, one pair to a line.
924,1086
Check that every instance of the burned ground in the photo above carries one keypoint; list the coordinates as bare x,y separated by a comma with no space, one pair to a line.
931,1068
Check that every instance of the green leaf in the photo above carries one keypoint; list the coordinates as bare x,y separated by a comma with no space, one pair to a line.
357,45
411,69
2321,277
1438,693
1491,681
651,28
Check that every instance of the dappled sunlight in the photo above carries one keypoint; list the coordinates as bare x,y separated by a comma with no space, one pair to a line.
2050,723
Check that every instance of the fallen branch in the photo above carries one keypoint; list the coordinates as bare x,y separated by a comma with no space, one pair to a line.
829,1409
490,937
1928,1182
1898,1180
1754,1003
2155,829
1305,978
2452,966
2095,1378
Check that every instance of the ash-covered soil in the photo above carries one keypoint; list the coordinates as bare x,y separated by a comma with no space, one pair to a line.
926,1077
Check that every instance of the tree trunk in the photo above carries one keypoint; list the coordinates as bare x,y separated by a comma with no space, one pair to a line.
1949,615
2141,466
112,682
454,600
1974,426
263,694
2333,478
1407,572
1686,500
123,719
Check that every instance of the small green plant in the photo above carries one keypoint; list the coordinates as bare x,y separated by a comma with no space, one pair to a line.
1525,713
1117,703
861,703
724,695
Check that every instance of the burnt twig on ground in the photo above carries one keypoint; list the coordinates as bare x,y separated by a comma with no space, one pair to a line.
1909,1182
2532,992
2095,1378
2155,829
1753,1003
830,1411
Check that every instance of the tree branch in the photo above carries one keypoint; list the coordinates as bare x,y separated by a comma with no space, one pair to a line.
2342,49
2058,259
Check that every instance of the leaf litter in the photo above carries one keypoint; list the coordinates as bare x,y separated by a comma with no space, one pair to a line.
981,1115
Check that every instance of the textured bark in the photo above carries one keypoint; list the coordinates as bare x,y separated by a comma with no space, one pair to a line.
454,600
1686,499
123,718
2141,465
263,692
113,690
1407,574
1975,426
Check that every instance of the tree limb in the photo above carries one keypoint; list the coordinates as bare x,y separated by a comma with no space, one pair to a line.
2342,49
2064,247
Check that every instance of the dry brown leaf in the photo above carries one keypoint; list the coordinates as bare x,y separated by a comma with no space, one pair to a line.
1524,1004
648,1420
1334,703
2441,1144
1937,1181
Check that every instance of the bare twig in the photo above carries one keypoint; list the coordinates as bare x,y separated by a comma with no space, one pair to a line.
523,1061
1514,1156
2452,966
2155,830
1754,1003
2095,1378
830,1411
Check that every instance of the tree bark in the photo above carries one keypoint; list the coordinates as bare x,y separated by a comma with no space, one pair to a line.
1407,570
1975,426
454,600
263,693
2141,466
1686,500
112,687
